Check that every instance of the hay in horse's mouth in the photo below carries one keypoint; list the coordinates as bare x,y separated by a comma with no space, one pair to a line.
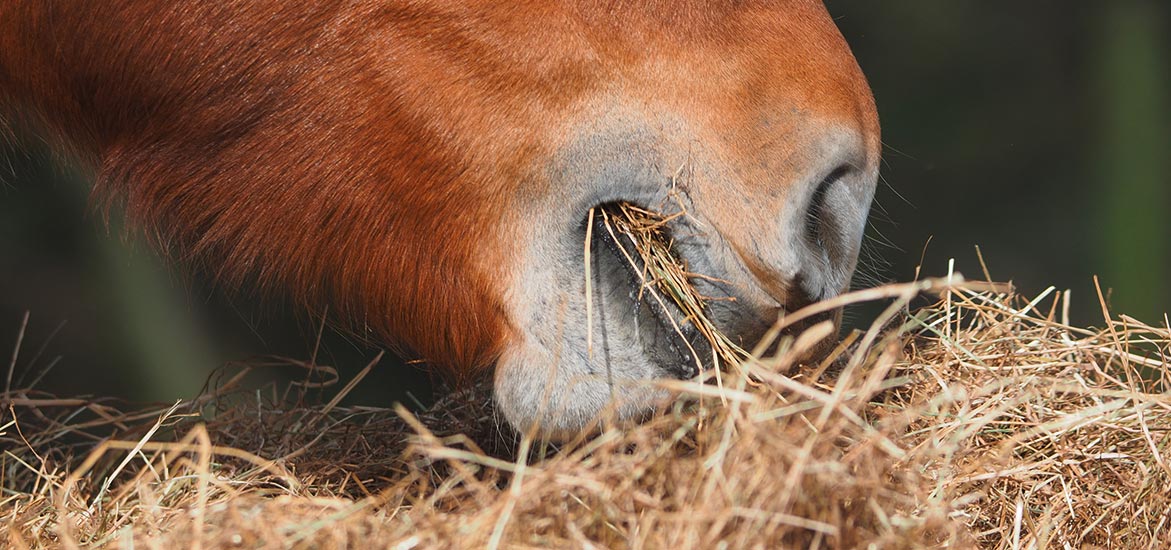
641,240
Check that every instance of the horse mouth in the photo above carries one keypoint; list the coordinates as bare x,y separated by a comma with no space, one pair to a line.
625,297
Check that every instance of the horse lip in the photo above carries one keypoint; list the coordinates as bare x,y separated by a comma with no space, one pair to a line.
682,364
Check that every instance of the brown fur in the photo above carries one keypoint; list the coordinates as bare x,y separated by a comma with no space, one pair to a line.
361,154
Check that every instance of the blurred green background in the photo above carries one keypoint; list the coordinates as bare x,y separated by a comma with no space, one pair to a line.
1040,131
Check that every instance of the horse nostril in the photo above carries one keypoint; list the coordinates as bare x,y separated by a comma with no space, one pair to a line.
800,294
820,222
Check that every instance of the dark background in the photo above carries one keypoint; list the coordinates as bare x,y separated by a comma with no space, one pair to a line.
1038,130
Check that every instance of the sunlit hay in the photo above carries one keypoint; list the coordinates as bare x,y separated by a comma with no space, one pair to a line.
983,421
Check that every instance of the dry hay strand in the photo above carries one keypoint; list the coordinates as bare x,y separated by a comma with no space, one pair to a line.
641,233
984,420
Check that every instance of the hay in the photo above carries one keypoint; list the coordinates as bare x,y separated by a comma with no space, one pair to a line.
982,421
640,233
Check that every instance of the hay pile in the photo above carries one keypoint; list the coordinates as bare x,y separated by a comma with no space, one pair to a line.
982,421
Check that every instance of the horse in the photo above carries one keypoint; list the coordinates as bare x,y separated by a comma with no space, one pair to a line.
425,169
